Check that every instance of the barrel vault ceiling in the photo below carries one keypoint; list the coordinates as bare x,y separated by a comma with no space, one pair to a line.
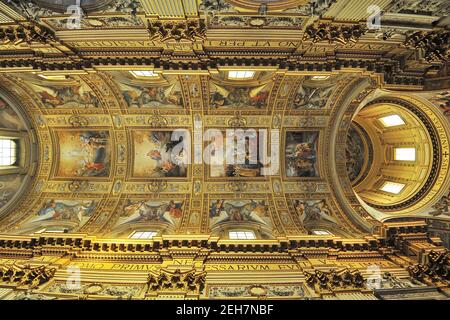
102,132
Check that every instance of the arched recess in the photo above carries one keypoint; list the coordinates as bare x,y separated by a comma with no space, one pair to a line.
429,189
16,177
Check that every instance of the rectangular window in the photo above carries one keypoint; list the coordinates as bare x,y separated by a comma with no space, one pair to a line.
241,75
54,77
320,78
143,235
392,121
392,187
405,154
8,152
147,74
322,232
242,235
51,230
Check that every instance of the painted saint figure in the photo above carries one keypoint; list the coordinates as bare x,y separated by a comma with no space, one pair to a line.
301,154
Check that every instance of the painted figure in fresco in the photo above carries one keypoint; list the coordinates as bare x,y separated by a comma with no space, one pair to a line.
216,208
311,98
174,209
9,185
4,198
69,96
230,210
65,210
93,147
304,158
354,153
313,210
239,97
138,211
301,154
8,118
246,169
168,163
153,97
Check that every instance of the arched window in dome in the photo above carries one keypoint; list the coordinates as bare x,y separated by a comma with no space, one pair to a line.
8,152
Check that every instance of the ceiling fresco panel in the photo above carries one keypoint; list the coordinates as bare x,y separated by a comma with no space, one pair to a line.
84,153
156,155
301,154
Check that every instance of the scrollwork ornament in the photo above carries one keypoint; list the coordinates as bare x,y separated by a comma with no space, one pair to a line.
237,122
307,186
28,33
157,121
157,186
77,186
237,186
78,121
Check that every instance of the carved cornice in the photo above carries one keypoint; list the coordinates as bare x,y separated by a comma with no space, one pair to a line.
333,33
25,276
190,30
28,33
176,281
335,280
436,44
435,272
390,69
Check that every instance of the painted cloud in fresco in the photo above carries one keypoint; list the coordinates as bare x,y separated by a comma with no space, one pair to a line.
84,153
239,211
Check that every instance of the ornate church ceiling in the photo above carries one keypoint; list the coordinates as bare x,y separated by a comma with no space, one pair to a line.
106,136
116,117
103,132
